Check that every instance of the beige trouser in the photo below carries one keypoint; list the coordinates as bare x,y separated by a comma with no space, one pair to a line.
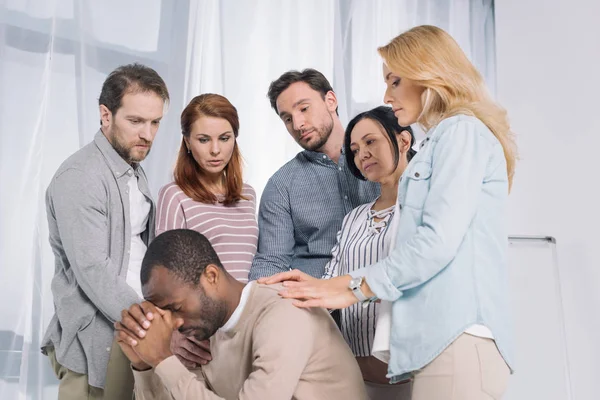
471,368
75,386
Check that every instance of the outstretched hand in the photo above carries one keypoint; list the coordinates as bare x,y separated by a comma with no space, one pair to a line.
312,292
293,275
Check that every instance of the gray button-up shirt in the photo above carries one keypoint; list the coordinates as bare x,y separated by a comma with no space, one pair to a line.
90,233
301,212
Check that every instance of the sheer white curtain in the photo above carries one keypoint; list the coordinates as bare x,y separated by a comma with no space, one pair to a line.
368,25
55,54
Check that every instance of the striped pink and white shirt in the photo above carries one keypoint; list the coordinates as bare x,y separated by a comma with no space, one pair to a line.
232,230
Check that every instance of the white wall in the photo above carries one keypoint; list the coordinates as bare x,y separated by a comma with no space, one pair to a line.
548,77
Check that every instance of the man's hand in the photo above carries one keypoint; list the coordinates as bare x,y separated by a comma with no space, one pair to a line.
124,339
137,318
156,345
190,351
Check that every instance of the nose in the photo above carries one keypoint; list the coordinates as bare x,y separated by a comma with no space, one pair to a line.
363,153
298,122
215,148
147,133
387,97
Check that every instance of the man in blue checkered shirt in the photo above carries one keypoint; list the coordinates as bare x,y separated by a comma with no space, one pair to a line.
305,201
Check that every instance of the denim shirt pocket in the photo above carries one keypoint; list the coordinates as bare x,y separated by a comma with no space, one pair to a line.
417,184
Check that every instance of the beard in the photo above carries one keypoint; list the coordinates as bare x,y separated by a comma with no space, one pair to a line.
212,317
322,135
128,151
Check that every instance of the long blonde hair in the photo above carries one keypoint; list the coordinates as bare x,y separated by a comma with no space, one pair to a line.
431,58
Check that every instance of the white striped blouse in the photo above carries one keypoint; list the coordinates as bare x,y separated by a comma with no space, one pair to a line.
231,230
361,242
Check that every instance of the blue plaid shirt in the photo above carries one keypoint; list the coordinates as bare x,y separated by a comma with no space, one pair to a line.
301,212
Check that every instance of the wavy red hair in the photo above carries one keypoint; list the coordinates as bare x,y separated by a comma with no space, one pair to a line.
187,172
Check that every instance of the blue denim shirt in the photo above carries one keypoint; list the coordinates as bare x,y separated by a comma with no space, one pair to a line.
448,268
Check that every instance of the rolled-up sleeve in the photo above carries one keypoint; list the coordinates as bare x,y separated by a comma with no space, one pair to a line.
458,168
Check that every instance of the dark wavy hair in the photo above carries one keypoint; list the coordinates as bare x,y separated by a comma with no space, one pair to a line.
385,117
311,77
131,78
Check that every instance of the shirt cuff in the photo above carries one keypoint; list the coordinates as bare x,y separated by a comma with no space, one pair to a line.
143,379
170,371
358,273
379,282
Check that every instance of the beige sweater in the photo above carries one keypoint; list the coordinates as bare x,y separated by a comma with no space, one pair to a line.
275,351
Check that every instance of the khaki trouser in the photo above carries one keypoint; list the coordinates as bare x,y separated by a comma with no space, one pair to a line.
471,368
75,386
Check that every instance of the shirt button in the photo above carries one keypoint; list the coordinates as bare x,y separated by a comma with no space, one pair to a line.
324,156
340,168
417,174
108,349
345,197
129,172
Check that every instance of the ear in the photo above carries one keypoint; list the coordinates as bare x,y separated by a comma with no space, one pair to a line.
105,115
212,274
404,139
186,140
331,101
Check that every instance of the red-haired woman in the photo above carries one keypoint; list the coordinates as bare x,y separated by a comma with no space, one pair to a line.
208,194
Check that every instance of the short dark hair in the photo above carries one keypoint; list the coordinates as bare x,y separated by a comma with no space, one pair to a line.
311,77
385,117
184,252
131,77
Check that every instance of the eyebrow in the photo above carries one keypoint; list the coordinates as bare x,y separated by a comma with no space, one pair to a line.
363,137
281,114
133,116
220,134
387,77
154,299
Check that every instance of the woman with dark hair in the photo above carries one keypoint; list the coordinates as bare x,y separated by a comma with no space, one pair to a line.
382,149
208,194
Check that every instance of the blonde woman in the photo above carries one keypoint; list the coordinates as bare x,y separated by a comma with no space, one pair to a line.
446,277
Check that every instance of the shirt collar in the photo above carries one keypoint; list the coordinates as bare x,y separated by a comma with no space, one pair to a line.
237,313
318,156
117,165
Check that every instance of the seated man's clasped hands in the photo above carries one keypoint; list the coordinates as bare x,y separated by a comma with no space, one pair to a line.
155,347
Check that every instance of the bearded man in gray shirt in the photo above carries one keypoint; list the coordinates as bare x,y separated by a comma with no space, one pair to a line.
101,219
